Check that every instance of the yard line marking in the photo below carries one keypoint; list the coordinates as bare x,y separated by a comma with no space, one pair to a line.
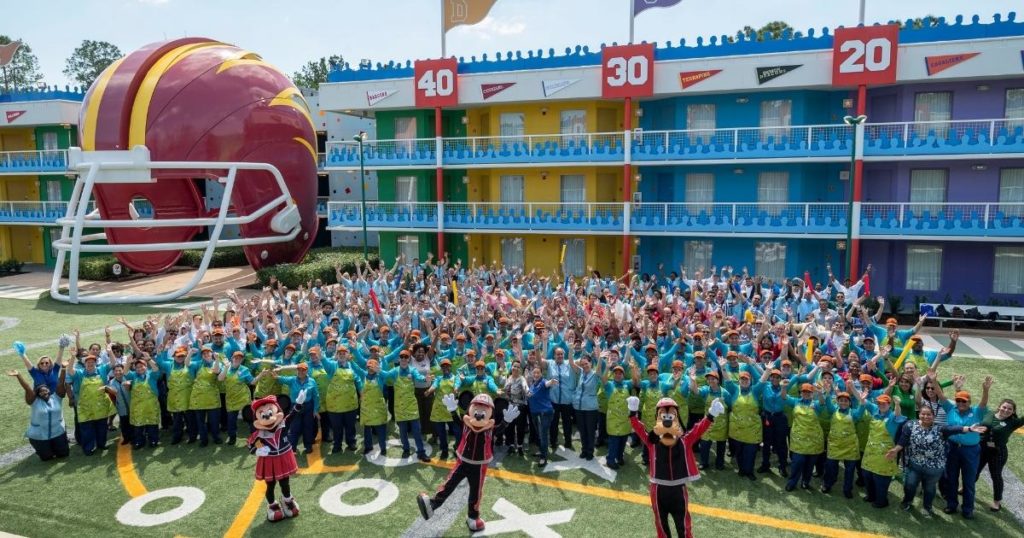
1020,344
248,512
126,470
930,342
645,500
984,349
315,464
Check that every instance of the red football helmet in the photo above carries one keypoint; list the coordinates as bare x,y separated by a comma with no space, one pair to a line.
206,111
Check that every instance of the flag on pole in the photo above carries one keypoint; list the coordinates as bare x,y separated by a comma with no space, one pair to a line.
376,303
459,12
7,52
641,5
455,293
807,280
561,260
867,285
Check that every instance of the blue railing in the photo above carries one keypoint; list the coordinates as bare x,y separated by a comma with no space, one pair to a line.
47,213
33,162
42,93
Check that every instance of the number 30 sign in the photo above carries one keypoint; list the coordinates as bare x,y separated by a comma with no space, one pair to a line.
436,83
865,55
627,71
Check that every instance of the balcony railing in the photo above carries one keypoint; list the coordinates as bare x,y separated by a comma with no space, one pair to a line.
835,142
795,219
33,162
47,213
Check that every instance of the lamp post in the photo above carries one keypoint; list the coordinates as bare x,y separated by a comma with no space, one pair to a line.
858,133
360,138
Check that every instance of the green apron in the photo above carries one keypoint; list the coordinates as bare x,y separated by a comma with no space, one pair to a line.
406,407
267,384
319,375
438,412
179,390
843,444
863,426
694,401
342,393
480,387
879,442
617,420
745,419
806,436
602,399
144,409
205,394
93,403
237,392
373,411
719,430
649,410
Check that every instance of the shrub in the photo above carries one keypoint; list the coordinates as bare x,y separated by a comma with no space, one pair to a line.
96,268
222,257
319,263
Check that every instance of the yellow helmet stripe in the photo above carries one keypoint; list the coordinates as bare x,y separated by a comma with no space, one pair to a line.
92,110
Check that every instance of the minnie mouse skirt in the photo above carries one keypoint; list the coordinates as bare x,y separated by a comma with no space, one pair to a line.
276,467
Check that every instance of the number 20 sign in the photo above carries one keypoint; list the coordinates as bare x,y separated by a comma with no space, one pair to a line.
865,55
436,83
627,71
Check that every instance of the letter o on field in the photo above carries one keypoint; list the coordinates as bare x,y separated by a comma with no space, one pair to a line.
387,494
131,513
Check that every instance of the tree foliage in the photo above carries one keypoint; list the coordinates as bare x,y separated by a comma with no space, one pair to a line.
23,71
928,21
89,60
315,72
772,30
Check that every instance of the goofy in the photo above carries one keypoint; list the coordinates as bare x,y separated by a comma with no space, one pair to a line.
672,463
275,459
474,453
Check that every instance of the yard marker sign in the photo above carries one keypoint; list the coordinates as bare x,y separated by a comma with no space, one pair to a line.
865,55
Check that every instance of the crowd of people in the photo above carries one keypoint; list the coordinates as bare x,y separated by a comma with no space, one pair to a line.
811,379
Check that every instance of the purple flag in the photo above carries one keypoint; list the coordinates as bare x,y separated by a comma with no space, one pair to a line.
640,5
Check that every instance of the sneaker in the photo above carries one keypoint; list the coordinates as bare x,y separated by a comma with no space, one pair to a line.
764,470
126,441
426,510
291,508
406,454
335,450
231,440
614,466
790,488
475,525
905,507
948,510
217,441
928,513
702,466
425,459
542,462
274,512
825,490
367,450
352,448
519,450
307,451
444,456
805,485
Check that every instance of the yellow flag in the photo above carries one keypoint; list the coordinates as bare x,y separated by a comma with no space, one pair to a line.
455,293
561,260
459,12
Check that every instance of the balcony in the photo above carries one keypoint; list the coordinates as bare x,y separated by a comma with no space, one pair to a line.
821,220
33,162
47,213
823,143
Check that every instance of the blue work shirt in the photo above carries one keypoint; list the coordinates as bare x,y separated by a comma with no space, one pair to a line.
562,393
584,398
295,385
954,418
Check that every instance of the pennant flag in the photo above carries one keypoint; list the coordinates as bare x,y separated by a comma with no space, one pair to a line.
561,259
640,6
867,285
689,78
459,12
14,114
765,74
938,64
7,52
807,280
376,303
455,292
375,96
490,90
552,87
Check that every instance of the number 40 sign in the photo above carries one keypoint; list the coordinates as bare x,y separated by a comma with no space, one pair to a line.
865,55
436,83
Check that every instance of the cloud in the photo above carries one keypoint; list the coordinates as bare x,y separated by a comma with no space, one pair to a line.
490,27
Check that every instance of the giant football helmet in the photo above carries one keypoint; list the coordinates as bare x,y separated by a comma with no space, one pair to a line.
161,120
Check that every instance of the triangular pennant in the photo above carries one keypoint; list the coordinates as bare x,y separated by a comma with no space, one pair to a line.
689,78
552,87
14,114
375,96
938,64
765,74
490,90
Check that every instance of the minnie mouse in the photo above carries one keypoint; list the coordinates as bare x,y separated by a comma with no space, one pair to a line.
275,459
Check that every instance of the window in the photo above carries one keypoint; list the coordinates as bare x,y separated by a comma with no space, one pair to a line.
776,117
924,267
1009,274
512,125
405,191
700,189
511,189
1015,107
50,141
701,120
932,107
928,188
573,192
409,247
772,191
53,191
1011,192
573,122
512,252
405,129
770,260
698,256
575,256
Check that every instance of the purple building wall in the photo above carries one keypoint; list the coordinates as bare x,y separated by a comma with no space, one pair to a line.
890,181
896,103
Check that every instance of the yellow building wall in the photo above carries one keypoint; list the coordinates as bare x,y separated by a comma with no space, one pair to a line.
545,118
25,243
604,184
543,252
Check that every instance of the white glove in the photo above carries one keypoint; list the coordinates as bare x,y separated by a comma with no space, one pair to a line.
717,408
263,451
450,402
301,398
511,413
633,403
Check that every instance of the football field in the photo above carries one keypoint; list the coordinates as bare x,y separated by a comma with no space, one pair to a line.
185,490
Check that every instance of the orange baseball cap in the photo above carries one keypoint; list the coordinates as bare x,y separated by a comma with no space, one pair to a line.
652,367
963,395
446,362
843,395
479,364
677,364
807,387
884,398
866,377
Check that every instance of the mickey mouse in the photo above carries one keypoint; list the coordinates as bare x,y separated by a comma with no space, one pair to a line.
475,451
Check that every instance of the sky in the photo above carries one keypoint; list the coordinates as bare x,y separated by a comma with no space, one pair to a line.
288,33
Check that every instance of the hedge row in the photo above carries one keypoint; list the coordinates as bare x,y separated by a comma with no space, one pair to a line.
102,267
222,257
95,268
319,263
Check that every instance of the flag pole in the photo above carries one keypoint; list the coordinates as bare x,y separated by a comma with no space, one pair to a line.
632,17
442,30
